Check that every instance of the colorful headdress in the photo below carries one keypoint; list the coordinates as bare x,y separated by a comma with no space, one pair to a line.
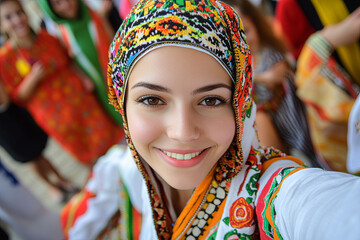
205,25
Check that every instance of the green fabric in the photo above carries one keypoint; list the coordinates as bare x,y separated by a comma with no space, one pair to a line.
79,29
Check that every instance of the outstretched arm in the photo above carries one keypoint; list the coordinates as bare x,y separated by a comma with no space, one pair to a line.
345,32
318,204
310,204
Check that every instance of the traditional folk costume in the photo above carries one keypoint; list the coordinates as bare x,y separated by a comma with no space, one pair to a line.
329,93
60,104
328,81
287,14
250,193
88,43
287,111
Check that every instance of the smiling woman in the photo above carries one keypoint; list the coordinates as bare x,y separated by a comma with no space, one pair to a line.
173,116
180,74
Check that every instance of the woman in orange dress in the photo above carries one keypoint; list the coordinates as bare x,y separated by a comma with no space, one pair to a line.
37,72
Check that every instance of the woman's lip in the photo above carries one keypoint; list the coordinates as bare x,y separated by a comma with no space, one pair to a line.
178,151
184,163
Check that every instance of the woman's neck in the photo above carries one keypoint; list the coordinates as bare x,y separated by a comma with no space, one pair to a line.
25,41
178,198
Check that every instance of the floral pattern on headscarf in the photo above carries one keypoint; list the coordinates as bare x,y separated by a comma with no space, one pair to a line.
205,25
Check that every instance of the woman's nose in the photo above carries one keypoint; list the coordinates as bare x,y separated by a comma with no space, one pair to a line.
183,124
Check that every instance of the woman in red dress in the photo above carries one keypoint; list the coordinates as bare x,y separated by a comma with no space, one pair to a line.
37,72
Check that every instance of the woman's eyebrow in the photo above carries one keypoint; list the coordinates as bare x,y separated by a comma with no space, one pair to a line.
211,87
151,86
159,88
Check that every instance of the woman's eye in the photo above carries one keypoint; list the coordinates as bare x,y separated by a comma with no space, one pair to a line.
151,101
212,101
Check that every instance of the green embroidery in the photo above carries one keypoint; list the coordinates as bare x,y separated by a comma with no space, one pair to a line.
251,185
180,2
248,111
226,221
270,204
239,235
212,236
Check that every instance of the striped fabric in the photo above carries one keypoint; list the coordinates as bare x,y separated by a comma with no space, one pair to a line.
285,108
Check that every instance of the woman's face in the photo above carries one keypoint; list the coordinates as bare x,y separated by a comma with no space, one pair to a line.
13,20
179,113
65,8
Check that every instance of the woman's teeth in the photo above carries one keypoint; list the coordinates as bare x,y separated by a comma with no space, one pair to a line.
182,156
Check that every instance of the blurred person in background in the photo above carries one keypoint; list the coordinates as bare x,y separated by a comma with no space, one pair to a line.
292,25
38,74
109,9
86,35
25,142
281,118
328,77
21,211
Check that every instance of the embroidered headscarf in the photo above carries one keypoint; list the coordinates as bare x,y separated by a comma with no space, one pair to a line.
205,25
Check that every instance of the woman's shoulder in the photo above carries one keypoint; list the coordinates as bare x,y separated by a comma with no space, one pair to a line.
309,189
263,174
279,167
244,191
44,37
6,50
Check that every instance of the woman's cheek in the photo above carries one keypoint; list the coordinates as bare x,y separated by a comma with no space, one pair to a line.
220,127
223,130
144,128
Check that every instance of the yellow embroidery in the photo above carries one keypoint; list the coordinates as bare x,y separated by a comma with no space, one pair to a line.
23,67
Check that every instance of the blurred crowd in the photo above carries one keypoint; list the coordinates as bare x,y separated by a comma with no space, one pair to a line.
53,67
